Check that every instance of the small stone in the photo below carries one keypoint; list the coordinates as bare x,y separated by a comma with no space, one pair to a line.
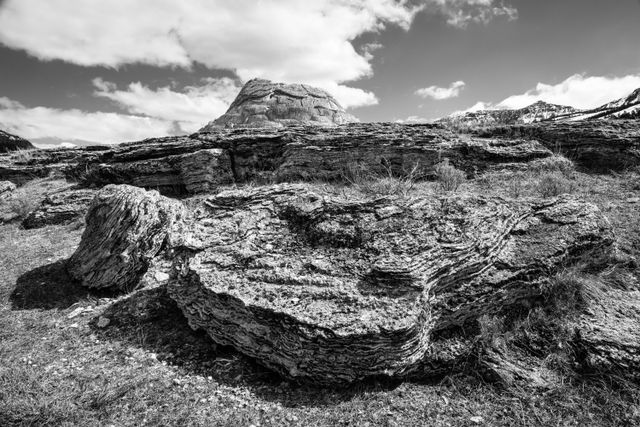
476,420
103,322
75,313
161,276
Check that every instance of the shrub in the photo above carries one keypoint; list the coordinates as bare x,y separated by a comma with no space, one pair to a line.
22,204
381,183
448,176
553,184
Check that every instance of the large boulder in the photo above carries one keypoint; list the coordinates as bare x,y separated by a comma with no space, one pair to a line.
262,103
330,290
126,227
9,142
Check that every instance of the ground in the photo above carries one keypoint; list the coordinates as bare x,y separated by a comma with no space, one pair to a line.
147,367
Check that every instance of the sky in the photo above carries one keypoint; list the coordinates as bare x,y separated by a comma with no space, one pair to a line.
93,71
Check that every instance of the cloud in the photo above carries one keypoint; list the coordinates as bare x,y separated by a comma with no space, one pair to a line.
579,91
461,13
441,93
191,109
77,125
413,120
283,40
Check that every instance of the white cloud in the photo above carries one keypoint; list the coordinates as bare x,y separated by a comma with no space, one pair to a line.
441,93
282,40
77,125
192,108
578,91
413,120
461,13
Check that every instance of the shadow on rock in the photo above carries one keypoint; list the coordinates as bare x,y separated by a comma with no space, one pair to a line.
49,287
150,319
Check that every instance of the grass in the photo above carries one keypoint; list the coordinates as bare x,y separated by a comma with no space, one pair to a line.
148,368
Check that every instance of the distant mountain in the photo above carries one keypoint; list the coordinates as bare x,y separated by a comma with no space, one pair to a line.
540,111
9,142
624,108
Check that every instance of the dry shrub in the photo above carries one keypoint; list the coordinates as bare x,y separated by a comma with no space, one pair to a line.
382,183
22,204
552,184
448,176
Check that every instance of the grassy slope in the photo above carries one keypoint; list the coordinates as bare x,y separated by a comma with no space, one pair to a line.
148,368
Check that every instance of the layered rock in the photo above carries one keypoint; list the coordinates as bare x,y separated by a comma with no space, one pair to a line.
9,142
126,227
6,188
600,146
262,103
607,334
330,290
204,161
60,208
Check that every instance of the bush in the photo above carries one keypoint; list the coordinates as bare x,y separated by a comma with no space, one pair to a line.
448,176
553,184
382,183
22,204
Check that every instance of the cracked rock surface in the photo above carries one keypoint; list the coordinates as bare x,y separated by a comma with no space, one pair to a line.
329,290
126,227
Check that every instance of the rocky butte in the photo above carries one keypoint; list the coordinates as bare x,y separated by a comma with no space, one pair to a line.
262,103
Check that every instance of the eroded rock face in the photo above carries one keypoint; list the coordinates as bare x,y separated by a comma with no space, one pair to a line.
9,142
60,208
601,145
330,290
607,334
126,227
262,103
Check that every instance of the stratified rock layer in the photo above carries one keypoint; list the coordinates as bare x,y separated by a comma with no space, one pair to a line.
328,290
60,208
262,103
126,227
608,334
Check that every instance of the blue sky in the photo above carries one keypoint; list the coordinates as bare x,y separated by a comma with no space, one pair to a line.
104,72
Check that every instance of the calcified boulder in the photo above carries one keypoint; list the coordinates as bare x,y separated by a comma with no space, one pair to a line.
126,229
60,208
262,103
329,290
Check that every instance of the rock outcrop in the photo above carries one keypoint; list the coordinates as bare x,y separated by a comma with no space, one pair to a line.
60,208
607,334
330,290
598,146
126,227
202,162
9,142
262,103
